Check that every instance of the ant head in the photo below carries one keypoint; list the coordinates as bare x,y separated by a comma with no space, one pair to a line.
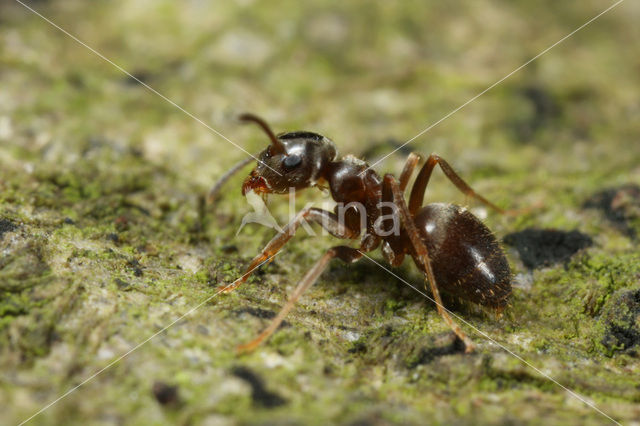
292,160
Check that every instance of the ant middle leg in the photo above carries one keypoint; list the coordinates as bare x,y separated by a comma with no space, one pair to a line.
412,161
422,255
326,219
345,253
420,185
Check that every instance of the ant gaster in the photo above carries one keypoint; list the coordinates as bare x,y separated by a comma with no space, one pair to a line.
455,251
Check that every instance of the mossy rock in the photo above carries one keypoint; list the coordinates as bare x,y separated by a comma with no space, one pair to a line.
105,238
621,322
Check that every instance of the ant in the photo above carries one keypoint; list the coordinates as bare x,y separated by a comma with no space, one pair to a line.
454,250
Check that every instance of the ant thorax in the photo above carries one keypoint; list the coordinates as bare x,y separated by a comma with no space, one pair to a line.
350,180
358,191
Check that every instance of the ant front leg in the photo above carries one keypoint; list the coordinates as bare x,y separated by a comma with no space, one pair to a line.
345,253
423,256
420,185
326,219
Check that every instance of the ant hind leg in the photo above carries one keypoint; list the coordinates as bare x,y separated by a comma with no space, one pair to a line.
423,257
420,185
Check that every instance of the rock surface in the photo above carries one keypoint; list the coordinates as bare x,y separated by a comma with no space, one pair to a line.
105,239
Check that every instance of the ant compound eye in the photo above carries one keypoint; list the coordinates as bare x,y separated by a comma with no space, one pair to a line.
291,161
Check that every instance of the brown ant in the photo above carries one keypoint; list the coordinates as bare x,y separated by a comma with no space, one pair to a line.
454,249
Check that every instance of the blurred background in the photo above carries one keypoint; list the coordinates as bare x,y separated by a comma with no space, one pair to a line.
105,238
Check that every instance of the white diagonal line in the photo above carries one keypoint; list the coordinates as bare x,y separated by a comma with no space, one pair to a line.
151,89
121,357
485,335
496,83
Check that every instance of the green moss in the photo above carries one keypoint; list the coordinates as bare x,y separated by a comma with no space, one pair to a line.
104,182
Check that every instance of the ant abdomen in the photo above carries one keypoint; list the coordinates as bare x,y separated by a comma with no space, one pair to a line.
467,260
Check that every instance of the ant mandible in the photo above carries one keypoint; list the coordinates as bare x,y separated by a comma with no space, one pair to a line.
454,250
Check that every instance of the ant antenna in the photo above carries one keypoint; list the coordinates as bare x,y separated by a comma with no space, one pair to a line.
215,190
278,147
